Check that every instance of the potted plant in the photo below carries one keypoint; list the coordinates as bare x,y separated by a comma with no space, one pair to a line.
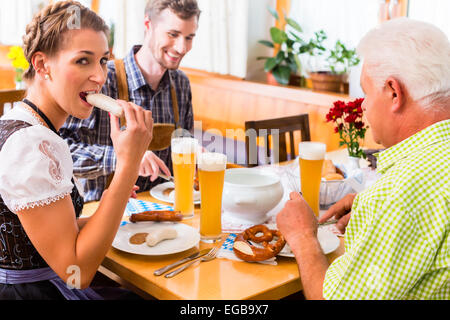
339,61
348,121
19,63
285,67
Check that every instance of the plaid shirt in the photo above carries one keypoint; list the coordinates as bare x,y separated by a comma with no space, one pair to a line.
89,140
397,242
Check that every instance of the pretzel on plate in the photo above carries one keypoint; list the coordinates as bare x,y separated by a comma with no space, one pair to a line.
162,215
247,252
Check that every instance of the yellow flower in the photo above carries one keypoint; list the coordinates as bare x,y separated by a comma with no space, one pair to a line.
17,58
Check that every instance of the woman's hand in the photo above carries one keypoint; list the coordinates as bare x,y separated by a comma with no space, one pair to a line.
341,211
131,144
132,195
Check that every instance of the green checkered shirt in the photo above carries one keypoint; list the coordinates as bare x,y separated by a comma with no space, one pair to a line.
397,243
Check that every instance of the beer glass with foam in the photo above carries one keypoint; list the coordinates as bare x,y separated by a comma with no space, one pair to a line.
311,156
211,174
184,154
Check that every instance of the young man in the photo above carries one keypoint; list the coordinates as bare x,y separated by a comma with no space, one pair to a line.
397,238
148,77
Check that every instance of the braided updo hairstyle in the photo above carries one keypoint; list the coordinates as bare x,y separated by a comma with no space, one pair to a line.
45,33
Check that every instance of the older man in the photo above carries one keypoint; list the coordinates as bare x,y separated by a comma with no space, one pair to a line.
398,237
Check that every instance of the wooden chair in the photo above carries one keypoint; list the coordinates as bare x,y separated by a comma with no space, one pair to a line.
10,96
277,129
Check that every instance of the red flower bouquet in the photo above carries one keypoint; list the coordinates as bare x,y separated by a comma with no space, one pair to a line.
348,120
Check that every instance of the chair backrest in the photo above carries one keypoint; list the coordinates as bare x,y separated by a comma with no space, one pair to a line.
10,96
277,129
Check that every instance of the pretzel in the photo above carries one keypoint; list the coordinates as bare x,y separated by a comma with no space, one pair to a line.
157,216
247,252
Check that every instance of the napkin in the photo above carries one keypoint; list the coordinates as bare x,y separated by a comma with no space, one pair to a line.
136,206
226,251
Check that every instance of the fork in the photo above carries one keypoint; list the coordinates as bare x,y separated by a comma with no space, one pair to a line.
207,257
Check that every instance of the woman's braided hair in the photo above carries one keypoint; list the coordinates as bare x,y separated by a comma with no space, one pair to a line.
45,33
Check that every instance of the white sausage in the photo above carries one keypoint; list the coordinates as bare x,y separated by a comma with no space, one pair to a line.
159,235
105,103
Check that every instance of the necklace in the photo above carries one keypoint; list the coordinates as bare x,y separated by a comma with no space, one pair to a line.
41,114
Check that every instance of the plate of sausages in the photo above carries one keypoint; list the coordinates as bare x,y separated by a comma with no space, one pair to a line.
154,238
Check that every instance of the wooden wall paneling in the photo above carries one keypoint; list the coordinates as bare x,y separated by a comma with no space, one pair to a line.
7,78
223,104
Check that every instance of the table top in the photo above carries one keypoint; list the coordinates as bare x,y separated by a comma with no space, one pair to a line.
219,279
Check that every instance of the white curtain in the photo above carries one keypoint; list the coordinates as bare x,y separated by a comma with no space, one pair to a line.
128,17
220,44
14,17
436,12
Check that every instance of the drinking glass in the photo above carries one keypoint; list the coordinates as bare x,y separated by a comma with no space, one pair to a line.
211,174
311,156
184,154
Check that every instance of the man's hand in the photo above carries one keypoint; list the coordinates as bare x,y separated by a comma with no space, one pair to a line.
296,219
133,192
151,165
341,211
298,224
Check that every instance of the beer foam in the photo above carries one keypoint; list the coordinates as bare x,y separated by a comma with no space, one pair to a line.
184,145
212,161
312,150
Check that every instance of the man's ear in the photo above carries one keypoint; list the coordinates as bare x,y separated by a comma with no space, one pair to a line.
147,23
395,93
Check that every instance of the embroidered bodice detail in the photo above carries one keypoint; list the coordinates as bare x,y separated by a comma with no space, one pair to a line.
16,250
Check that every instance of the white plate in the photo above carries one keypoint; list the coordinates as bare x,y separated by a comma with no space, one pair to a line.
157,192
328,241
187,238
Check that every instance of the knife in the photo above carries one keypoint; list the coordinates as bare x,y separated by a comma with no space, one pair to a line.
177,263
165,177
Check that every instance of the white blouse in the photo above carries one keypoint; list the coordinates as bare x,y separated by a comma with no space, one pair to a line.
35,165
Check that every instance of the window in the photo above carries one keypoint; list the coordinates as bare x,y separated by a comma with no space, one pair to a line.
437,13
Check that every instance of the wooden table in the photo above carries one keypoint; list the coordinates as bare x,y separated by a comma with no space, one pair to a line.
219,279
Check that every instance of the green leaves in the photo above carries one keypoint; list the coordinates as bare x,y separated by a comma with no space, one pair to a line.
270,64
278,36
341,56
290,46
294,24
273,12
266,43
286,61
282,74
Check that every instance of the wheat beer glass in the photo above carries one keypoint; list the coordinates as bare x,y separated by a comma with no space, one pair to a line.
184,154
211,174
311,156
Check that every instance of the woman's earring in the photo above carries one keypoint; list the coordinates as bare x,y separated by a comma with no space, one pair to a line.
47,76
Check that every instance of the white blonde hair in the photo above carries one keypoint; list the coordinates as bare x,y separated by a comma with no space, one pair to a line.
415,53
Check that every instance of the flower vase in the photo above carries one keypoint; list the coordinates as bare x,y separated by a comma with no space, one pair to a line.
352,163
20,85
